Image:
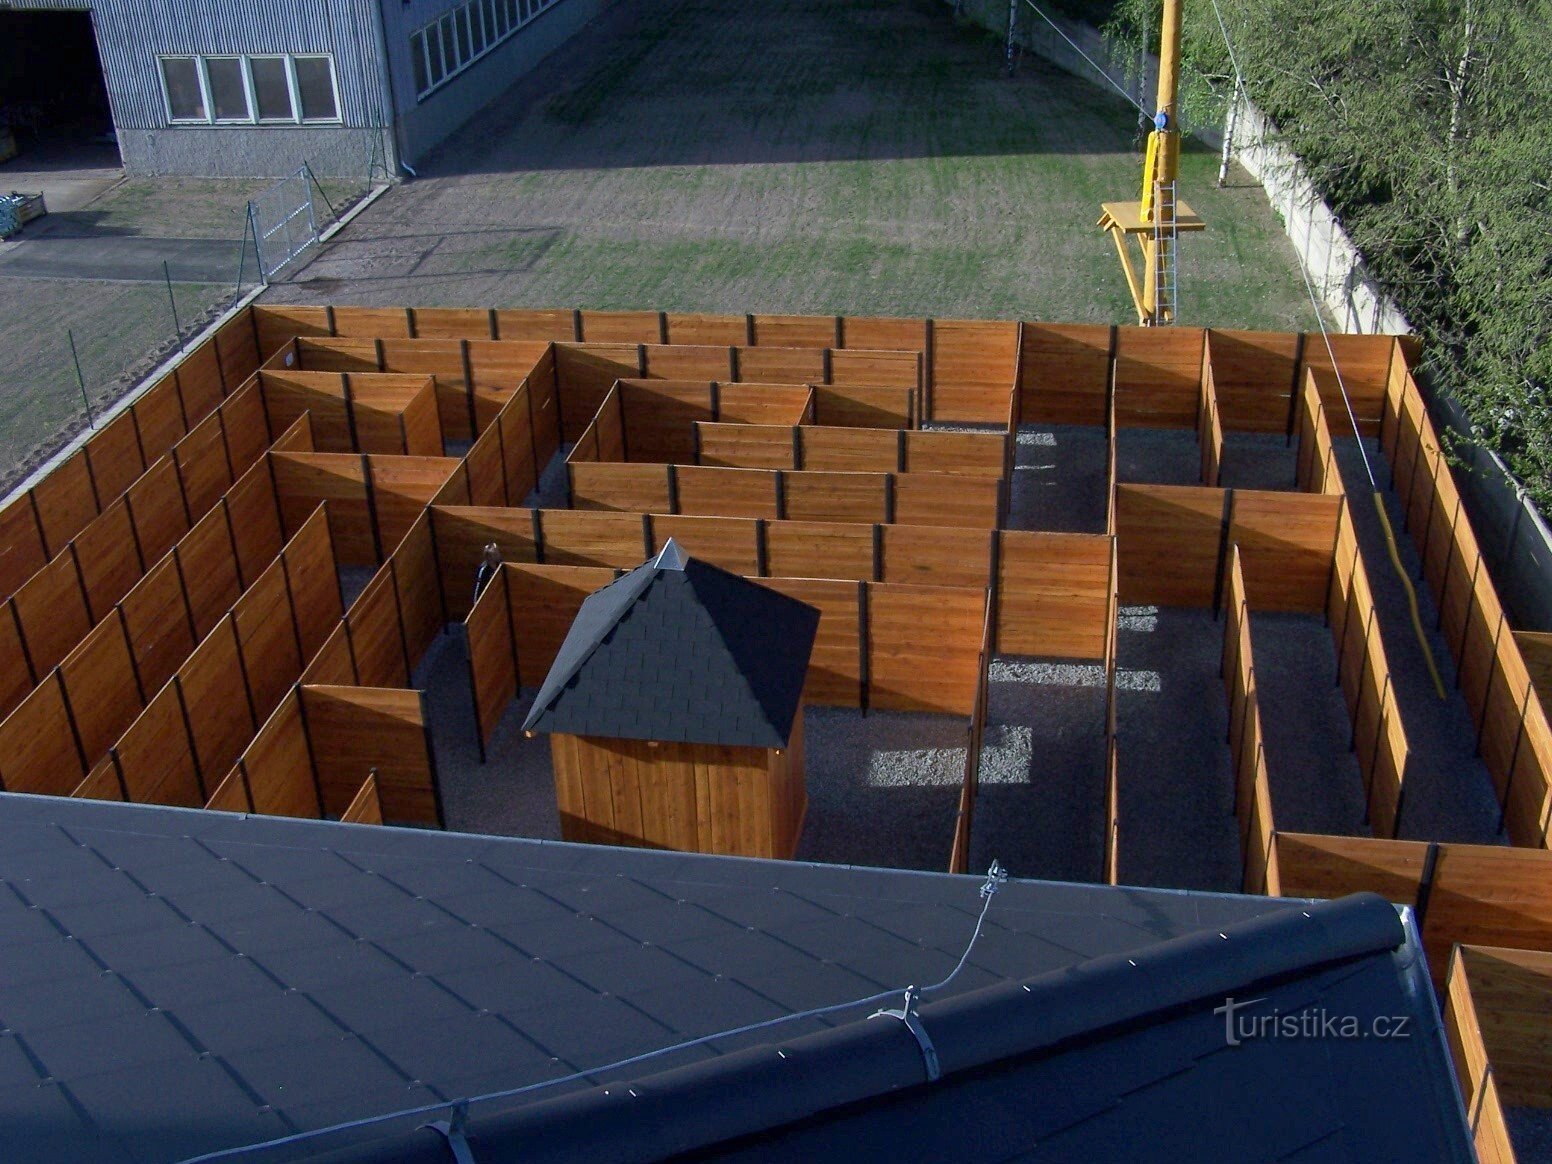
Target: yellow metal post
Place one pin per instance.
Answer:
(1156, 222)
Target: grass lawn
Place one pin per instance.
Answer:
(858, 156)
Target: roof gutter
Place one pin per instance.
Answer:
(761, 1088)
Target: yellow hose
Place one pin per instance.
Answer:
(1406, 581)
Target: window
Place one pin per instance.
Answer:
(451, 43)
(315, 86)
(228, 93)
(268, 90)
(272, 89)
(185, 94)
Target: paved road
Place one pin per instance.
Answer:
(125, 258)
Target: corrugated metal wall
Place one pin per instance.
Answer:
(131, 34)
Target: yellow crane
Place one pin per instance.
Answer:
(1158, 218)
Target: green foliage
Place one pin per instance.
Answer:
(1427, 125)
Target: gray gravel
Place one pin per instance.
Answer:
(1060, 479)
(1530, 1131)
(1449, 793)
(352, 581)
(1258, 460)
(1040, 808)
(1317, 786)
(1158, 456)
(1177, 826)
(883, 788)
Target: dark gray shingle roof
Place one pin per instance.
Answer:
(682, 652)
(173, 982)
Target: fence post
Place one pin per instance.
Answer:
(177, 328)
(91, 421)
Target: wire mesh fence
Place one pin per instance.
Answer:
(73, 346)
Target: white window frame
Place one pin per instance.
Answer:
(252, 120)
(515, 14)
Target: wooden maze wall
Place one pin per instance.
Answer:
(173, 631)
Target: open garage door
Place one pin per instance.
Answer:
(53, 99)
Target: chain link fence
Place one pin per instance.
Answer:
(74, 346)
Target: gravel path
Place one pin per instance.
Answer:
(1449, 794)
(1316, 783)
(1158, 456)
(1258, 460)
(1040, 808)
(1177, 827)
(1060, 479)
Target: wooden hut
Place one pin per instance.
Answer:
(674, 710)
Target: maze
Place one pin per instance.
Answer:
(226, 598)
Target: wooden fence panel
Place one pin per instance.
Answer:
(101, 784)
(366, 807)
(460, 535)
(764, 403)
(593, 539)
(237, 351)
(1169, 538)
(1053, 594)
(402, 487)
(267, 634)
(333, 663)
(747, 446)
(873, 333)
(544, 601)
(247, 433)
(1364, 362)
(783, 365)
(66, 501)
(796, 331)
(156, 757)
(209, 570)
(835, 666)
(659, 418)
(279, 764)
(375, 640)
(109, 560)
(936, 556)
(1253, 373)
(536, 325)
(99, 679)
(15, 673)
(302, 480)
(52, 611)
(974, 365)
(492, 656)
(629, 488)
(160, 630)
(276, 324)
(813, 549)
(852, 450)
(202, 465)
(22, 553)
(924, 647)
(858, 406)
(1209, 430)
(521, 462)
(946, 499)
(1064, 373)
(159, 416)
(484, 470)
(1287, 541)
(200, 382)
(855, 497)
(972, 454)
(38, 751)
(155, 502)
(221, 718)
(716, 492)
(1326, 867)
(687, 363)
(584, 375)
(878, 369)
(698, 329)
(733, 543)
(356, 730)
(255, 520)
(371, 321)
(231, 795)
(451, 322)
(114, 454)
(1158, 374)
(1488, 895)
(287, 395)
(622, 327)
(416, 579)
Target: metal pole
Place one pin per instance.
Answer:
(258, 255)
(1012, 28)
(308, 167)
(177, 328)
(81, 380)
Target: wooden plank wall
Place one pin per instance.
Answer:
(1158, 376)
(1495, 1004)
(1515, 739)
(1247, 744)
(1254, 377)
(1170, 540)
(1209, 426)
(358, 732)
(1053, 594)
(1316, 470)
(755, 446)
(1286, 541)
(492, 655)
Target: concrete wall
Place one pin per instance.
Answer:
(423, 125)
(259, 152)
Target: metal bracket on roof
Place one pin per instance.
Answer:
(907, 1014)
(452, 1130)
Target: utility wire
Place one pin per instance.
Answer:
(995, 877)
(1111, 80)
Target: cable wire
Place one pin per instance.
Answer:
(996, 876)
(1111, 80)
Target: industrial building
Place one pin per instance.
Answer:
(228, 89)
